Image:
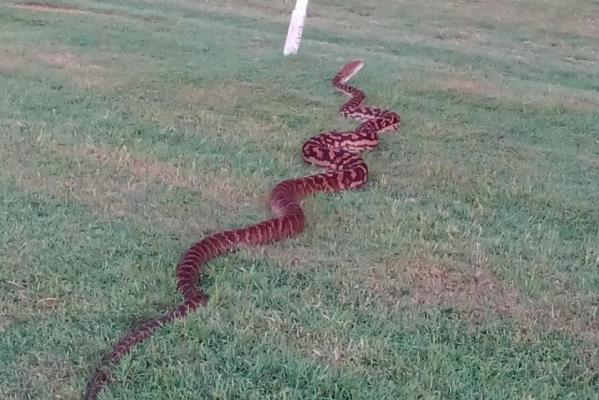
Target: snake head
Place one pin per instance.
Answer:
(349, 70)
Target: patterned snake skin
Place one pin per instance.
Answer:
(338, 152)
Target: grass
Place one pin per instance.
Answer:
(468, 268)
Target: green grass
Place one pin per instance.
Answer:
(468, 267)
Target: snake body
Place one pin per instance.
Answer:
(338, 152)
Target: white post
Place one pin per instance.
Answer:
(296, 27)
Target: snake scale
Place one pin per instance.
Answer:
(338, 152)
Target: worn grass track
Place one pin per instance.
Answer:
(468, 268)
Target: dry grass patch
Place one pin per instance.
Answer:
(434, 284)
(104, 197)
(55, 377)
(49, 7)
(142, 171)
(60, 60)
(223, 96)
(118, 189)
(508, 11)
(470, 86)
(358, 21)
(295, 256)
(83, 72)
(447, 171)
(216, 109)
(219, 186)
(583, 25)
(546, 97)
(326, 347)
(43, 7)
(475, 293)
(18, 303)
(591, 161)
(111, 199)
(10, 61)
(5, 322)
(14, 59)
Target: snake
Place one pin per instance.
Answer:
(339, 153)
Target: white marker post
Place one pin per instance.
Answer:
(296, 27)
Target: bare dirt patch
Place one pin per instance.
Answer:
(475, 294)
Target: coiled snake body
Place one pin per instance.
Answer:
(338, 152)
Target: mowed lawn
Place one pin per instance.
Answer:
(467, 268)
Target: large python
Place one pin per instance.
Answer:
(338, 152)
